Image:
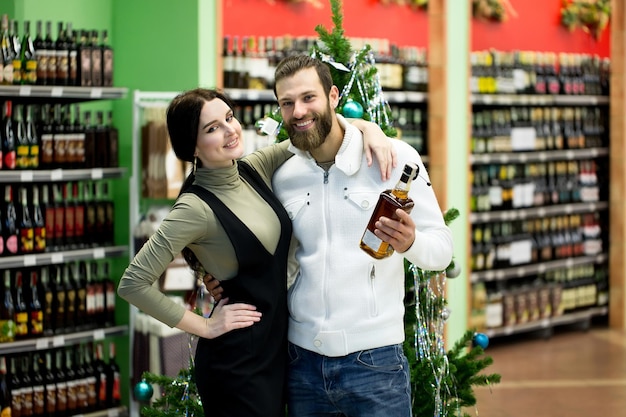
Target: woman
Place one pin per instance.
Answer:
(228, 223)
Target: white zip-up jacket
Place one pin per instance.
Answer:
(342, 300)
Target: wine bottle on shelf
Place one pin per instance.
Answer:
(70, 300)
(9, 147)
(109, 212)
(7, 51)
(114, 397)
(78, 281)
(16, 47)
(82, 404)
(15, 388)
(22, 146)
(51, 73)
(99, 295)
(90, 141)
(20, 308)
(91, 291)
(49, 385)
(41, 54)
(72, 383)
(5, 393)
(109, 294)
(62, 56)
(72, 55)
(59, 216)
(92, 377)
(24, 368)
(84, 56)
(70, 138)
(102, 146)
(100, 371)
(388, 202)
(59, 137)
(96, 60)
(58, 301)
(25, 225)
(28, 57)
(32, 137)
(47, 295)
(38, 221)
(35, 308)
(107, 60)
(79, 136)
(38, 384)
(7, 311)
(60, 382)
(227, 62)
(9, 224)
(113, 140)
(79, 214)
(46, 133)
(70, 216)
(49, 213)
(90, 214)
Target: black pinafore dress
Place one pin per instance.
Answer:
(242, 373)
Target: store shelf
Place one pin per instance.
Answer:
(549, 323)
(61, 340)
(62, 92)
(541, 156)
(59, 257)
(536, 212)
(537, 100)
(111, 412)
(535, 269)
(239, 94)
(56, 175)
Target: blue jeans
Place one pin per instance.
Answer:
(372, 383)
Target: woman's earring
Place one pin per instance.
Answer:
(195, 163)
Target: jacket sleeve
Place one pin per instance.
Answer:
(432, 249)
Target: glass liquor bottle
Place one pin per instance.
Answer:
(38, 221)
(35, 309)
(7, 311)
(47, 301)
(9, 148)
(27, 384)
(39, 45)
(32, 137)
(20, 308)
(5, 394)
(10, 223)
(388, 202)
(15, 388)
(113, 379)
(22, 146)
(50, 385)
(28, 56)
(27, 233)
(37, 378)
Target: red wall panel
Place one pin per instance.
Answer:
(536, 26)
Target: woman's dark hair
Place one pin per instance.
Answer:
(183, 119)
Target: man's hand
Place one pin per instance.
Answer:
(400, 234)
(213, 286)
(375, 141)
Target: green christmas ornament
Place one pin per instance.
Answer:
(352, 109)
(143, 391)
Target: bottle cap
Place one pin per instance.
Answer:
(411, 170)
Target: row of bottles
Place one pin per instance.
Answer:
(512, 129)
(72, 57)
(411, 124)
(249, 62)
(551, 294)
(534, 72)
(536, 184)
(60, 382)
(50, 217)
(512, 243)
(50, 136)
(56, 300)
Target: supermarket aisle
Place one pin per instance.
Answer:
(573, 373)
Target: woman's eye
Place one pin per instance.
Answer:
(211, 129)
(229, 118)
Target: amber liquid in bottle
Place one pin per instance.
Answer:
(388, 202)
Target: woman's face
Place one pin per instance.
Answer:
(219, 135)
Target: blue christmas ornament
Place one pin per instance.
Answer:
(352, 109)
(143, 391)
(481, 339)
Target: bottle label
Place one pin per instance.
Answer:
(10, 159)
(47, 149)
(11, 245)
(40, 239)
(21, 324)
(27, 240)
(38, 400)
(372, 241)
(7, 330)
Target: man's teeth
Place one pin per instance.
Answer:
(308, 122)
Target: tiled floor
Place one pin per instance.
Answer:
(573, 373)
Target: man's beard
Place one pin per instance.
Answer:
(311, 139)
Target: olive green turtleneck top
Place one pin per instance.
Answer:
(192, 223)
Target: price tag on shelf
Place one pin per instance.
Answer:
(56, 174)
(113, 413)
(26, 176)
(96, 173)
(57, 258)
(98, 253)
(30, 260)
(98, 334)
(25, 90)
(41, 343)
(56, 92)
(96, 93)
(58, 341)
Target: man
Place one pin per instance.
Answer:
(346, 308)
